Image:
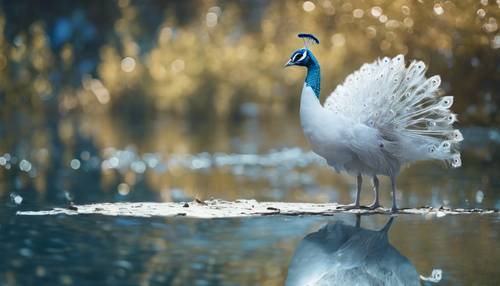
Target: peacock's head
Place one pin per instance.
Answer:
(303, 57)
(300, 57)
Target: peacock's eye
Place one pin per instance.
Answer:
(299, 56)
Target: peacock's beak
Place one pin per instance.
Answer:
(289, 63)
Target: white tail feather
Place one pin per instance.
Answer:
(404, 106)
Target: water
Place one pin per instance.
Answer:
(251, 160)
(91, 250)
(245, 162)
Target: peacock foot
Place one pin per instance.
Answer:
(394, 209)
(374, 206)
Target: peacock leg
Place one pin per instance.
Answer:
(394, 207)
(375, 203)
(359, 181)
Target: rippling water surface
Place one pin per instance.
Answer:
(243, 162)
(91, 250)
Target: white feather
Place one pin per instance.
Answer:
(383, 116)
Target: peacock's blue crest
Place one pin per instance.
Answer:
(309, 39)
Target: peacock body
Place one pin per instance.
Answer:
(383, 116)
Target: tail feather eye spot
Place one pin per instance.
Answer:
(451, 118)
(447, 102)
(456, 135)
(435, 81)
(420, 66)
(431, 149)
(445, 145)
(456, 161)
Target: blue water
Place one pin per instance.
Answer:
(99, 250)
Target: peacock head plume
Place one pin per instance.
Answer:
(304, 57)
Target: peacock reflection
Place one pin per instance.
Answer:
(340, 254)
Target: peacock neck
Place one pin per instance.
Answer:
(313, 78)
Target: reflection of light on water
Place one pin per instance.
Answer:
(479, 196)
(25, 165)
(491, 26)
(211, 19)
(16, 198)
(358, 13)
(212, 16)
(383, 18)
(128, 159)
(438, 9)
(338, 40)
(128, 64)
(308, 6)
(178, 65)
(123, 189)
(376, 11)
(75, 164)
(481, 13)
(97, 88)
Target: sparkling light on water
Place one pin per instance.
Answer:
(308, 6)
(479, 196)
(438, 9)
(376, 11)
(25, 165)
(123, 189)
(75, 164)
(128, 64)
(338, 40)
(16, 198)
